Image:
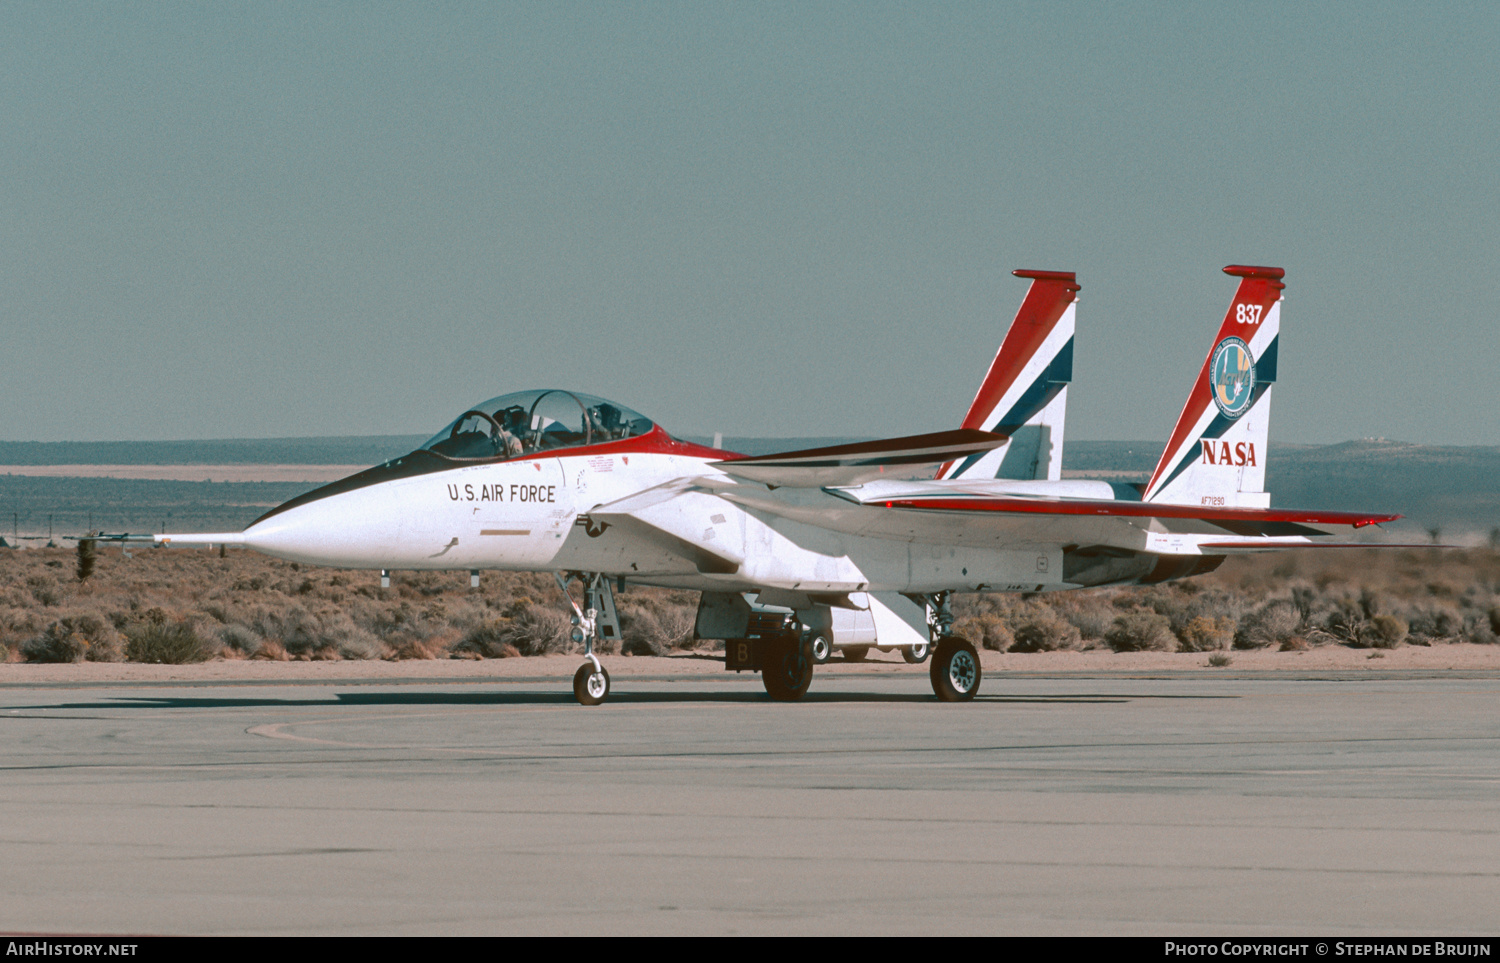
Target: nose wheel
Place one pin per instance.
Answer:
(591, 684)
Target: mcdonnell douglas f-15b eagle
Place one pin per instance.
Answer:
(834, 547)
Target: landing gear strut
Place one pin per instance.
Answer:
(955, 670)
(591, 681)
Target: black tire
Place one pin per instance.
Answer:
(855, 653)
(956, 673)
(586, 694)
(786, 667)
(916, 654)
(821, 648)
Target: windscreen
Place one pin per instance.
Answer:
(527, 422)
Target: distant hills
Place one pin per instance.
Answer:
(1455, 489)
(350, 450)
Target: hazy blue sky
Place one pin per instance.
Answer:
(254, 220)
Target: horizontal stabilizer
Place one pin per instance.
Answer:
(1267, 545)
(848, 464)
(1241, 521)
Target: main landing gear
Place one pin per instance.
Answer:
(786, 652)
(955, 670)
(788, 658)
(786, 665)
(591, 621)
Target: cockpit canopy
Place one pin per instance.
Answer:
(527, 422)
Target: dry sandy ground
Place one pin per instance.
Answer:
(1462, 657)
(194, 473)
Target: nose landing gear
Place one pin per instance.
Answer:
(591, 683)
(594, 618)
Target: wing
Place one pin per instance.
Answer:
(945, 514)
(667, 519)
(686, 519)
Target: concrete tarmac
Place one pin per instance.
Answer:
(1165, 806)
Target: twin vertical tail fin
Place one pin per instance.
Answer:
(1025, 393)
(1217, 451)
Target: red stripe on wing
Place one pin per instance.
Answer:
(1104, 507)
(1288, 545)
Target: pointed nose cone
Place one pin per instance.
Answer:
(355, 522)
(338, 531)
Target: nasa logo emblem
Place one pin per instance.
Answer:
(1231, 377)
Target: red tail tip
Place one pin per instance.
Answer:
(1249, 271)
(1069, 276)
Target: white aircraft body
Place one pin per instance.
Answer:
(833, 546)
